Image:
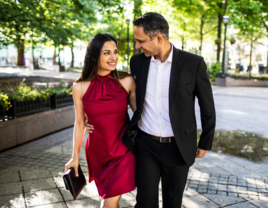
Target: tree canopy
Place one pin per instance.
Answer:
(61, 22)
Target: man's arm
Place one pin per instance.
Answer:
(204, 94)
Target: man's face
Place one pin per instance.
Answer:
(143, 42)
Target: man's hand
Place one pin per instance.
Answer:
(89, 127)
(200, 153)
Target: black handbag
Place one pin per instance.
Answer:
(72, 183)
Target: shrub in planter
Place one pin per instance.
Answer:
(61, 100)
(246, 76)
(61, 95)
(25, 100)
(214, 69)
(4, 101)
(2, 113)
(5, 104)
(26, 107)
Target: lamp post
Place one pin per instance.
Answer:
(127, 21)
(225, 21)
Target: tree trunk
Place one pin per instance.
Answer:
(201, 33)
(54, 56)
(267, 61)
(266, 27)
(183, 39)
(20, 48)
(33, 61)
(219, 33)
(250, 57)
(220, 15)
(137, 13)
(267, 55)
(182, 43)
(20, 61)
(219, 37)
(59, 57)
(72, 51)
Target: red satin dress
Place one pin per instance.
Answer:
(110, 163)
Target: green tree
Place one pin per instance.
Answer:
(17, 20)
(246, 16)
(59, 21)
(264, 20)
(200, 13)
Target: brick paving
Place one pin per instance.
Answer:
(31, 177)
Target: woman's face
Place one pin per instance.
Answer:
(108, 57)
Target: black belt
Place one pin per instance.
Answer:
(160, 139)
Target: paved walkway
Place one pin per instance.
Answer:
(30, 175)
(8, 71)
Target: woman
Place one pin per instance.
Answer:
(102, 95)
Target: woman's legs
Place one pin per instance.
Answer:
(112, 202)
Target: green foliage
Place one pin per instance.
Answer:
(237, 75)
(59, 88)
(58, 22)
(197, 18)
(4, 101)
(23, 92)
(246, 16)
(247, 145)
(213, 70)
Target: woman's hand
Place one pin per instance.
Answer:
(89, 127)
(72, 163)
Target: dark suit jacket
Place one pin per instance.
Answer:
(188, 79)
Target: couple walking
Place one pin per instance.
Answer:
(160, 141)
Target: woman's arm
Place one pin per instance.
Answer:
(79, 127)
(132, 94)
(129, 84)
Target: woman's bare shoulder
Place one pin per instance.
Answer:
(128, 79)
(79, 87)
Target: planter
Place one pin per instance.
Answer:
(27, 107)
(241, 82)
(2, 113)
(60, 100)
(27, 128)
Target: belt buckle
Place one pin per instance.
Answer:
(161, 140)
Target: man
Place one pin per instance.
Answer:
(162, 132)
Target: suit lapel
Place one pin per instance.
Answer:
(144, 76)
(175, 69)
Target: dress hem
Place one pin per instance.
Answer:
(124, 192)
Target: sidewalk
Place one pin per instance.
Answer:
(8, 71)
(30, 175)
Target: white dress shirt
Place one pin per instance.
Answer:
(155, 115)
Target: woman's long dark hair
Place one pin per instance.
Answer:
(91, 63)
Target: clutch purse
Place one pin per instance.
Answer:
(72, 183)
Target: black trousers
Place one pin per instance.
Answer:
(155, 161)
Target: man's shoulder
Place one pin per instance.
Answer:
(138, 56)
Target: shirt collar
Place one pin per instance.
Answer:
(169, 59)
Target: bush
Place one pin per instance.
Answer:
(23, 92)
(214, 69)
(4, 102)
